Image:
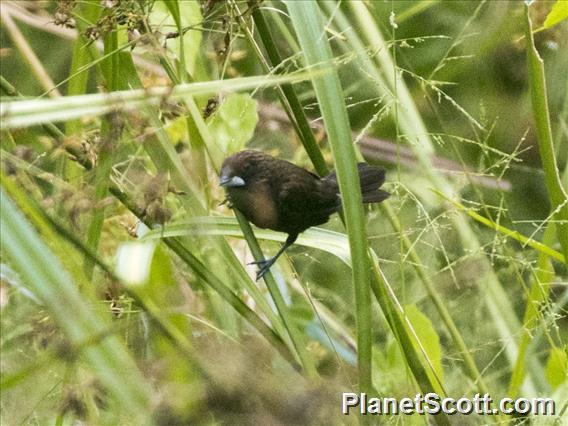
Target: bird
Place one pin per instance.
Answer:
(279, 195)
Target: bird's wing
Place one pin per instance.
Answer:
(303, 201)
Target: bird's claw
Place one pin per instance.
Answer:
(261, 273)
(263, 265)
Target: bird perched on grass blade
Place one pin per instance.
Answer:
(281, 196)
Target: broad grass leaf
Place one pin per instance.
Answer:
(557, 14)
(557, 367)
(233, 124)
(428, 337)
(177, 130)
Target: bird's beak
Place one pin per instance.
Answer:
(232, 182)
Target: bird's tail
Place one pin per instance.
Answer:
(370, 178)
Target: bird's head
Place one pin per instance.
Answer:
(242, 168)
(233, 172)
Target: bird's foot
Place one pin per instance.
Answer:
(261, 262)
(263, 267)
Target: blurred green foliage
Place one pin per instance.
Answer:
(465, 66)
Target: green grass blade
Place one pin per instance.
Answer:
(52, 130)
(322, 239)
(194, 135)
(81, 58)
(296, 336)
(542, 277)
(542, 248)
(415, 9)
(308, 23)
(111, 130)
(16, 114)
(537, 84)
(292, 104)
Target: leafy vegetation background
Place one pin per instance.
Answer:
(126, 297)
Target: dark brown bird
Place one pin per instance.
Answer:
(281, 196)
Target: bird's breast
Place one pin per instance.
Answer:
(256, 204)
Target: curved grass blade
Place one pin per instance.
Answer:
(17, 114)
(537, 83)
(330, 241)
